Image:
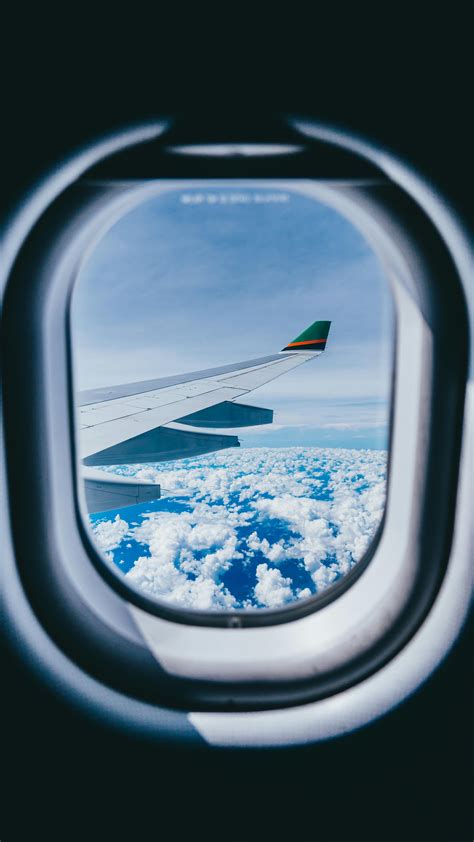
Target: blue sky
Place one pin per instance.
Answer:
(199, 277)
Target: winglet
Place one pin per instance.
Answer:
(314, 338)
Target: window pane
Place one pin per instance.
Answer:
(261, 484)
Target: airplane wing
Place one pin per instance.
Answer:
(133, 423)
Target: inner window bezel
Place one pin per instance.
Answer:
(120, 205)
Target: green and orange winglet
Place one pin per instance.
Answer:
(314, 338)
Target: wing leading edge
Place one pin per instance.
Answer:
(120, 424)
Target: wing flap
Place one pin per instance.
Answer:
(228, 414)
(105, 491)
(162, 444)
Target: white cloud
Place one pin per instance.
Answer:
(179, 568)
(272, 589)
(162, 579)
(360, 424)
(110, 533)
(274, 552)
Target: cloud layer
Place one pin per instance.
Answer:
(256, 528)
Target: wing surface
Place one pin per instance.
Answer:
(112, 415)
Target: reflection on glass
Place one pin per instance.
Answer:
(261, 484)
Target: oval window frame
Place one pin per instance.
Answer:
(118, 624)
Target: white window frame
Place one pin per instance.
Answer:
(327, 661)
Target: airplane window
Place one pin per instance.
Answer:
(232, 350)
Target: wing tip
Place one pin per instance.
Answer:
(314, 338)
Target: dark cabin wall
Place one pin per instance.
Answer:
(394, 73)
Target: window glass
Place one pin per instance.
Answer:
(261, 484)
